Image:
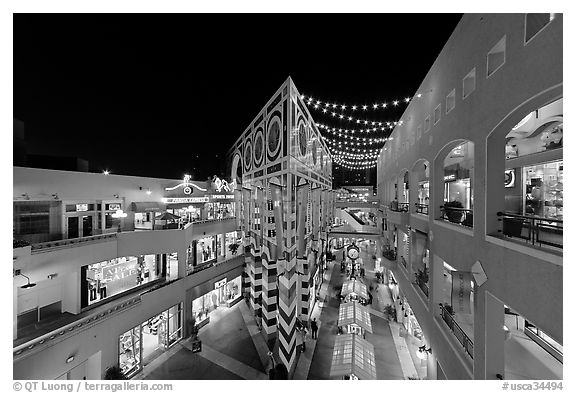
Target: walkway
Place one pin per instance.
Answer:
(228, 352)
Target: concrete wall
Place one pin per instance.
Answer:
(525, 279)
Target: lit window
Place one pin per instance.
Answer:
(419, 131)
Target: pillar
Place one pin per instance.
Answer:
(488, 336)
(269, 297)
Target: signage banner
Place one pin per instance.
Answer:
(461, 289)
(186, 200)
(315, 212)
(219, 284)
(278, 210)
(302, 193)
(247, 216)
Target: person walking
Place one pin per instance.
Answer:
(304, 332)
(314, 326)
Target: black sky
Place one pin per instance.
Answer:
(163, 95)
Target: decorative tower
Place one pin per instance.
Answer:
(284, 171)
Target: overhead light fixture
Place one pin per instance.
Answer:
(29, 285)
(106, 172)
(148, 192)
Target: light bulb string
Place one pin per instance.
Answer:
(390, 104)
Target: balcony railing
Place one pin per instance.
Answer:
(458, 332)
(421, 208)
(423, 286)
(533, 229)
(69, 242)
(457, 215)
(399, 206)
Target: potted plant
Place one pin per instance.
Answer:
(114, 372)
(233, 248)
(453, 215)
(390, 312)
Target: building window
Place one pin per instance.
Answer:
(451, 100)
(427, 124)
(437, 112)
(469, 83)
(419, 131)
(534, 24)
(496, 57)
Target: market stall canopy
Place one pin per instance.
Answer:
(355, 287)
(166, 216)
(144, 207)
(355, 313)
(353, 355)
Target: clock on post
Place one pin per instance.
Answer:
(353, 252)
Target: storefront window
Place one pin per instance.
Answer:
(129, 351)
(219, 210)
(544, 189)
(206, 249)
(109, 278)
(225, 294)
(458, 175)
(424, 192)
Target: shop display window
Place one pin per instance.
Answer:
(423, 192)
(129, 351)
(544, 190)
(108, 278)
(219, 210)
(458, 175)
(206, 249)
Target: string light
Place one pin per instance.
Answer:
(389, 125)
(313, 101)
(353, 119)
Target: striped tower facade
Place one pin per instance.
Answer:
(269, 295)
(279, 158)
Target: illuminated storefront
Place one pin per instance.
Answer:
(225, 294)
(105, 279)
(544, 190)
(149, 339)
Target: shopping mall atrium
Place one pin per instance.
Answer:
(448, 266)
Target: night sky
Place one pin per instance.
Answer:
(163, 95)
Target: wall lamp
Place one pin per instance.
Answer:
(29, 285)
(423, 352)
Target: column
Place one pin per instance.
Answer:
(269, 298)
(488, 337)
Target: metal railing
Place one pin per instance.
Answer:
(535, 230)
(421, 208)
(457, 330)
(399, 206)
(423, 286)
(69, 242)
(457, 215)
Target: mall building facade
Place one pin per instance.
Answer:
(122, 268)
(471, 201)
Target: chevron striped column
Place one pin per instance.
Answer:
(256, 282)
(269, 295)
(287, 308)
(248, 268)
(303, 290)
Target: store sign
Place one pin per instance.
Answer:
(461, 288)
(203, 199)
(222, 196)
(509, 178)
(450, 177)
(187, 186)
(114, 206)
(220, 284)
(82, 207)
(222, 185)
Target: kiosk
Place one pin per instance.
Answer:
(354, 318)
(354, 290)
(353, 358)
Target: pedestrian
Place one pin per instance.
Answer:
(314, 327)
(304, 332)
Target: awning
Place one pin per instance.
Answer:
(353, 355)
(145, 207)
(355, 313)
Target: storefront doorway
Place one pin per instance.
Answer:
(73, 227)
(87, 225)
(144, 343)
